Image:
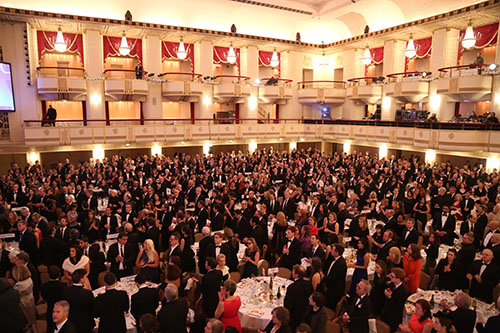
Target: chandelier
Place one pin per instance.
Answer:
(367, 58)
(60, 44)
(411, 51)
(181, 52)
(124, 48)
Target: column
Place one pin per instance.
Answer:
(394, 62)
(495, 88)
(94, 66)
(203, 64)
(444, 54)
(353, 67)
(249, 66)
(292, 64)
(152, 64)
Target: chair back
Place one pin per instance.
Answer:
(496, 292)
(382, 327)
(284, 273)
(425, 280)
(263, 267)
(235, 276)
(198, 237)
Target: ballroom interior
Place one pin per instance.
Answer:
(204, 77)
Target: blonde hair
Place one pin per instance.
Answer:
(149, 249)
(397, 253)
(20, 273)
(281, 219)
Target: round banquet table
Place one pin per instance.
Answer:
(483, 310)
(127, 284)
(255, 310)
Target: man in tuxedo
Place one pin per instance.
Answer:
(109, 223)
(335, 275)
(272, 204)
(209, 287)
(241, 227)
(396, 295)
(297, 295)
(467, 204)
(91, 200)
(463, 317)
(202, 249)
(40, 223)
(257, 232)
(316, 250)
(27, 241)
(63, 235)
(359, 309)
(409, 235)
(129, 215)
(480, 227)
(468, 225)
(173, 313)
(384, 247)
(143, 301)
(111, 306)
(4, 261)
(16, 198)
(202, 214)
(61, 322)
(153, 232)
(52, 292)
(121, 257)
(218, 218)
(315, 207)
(484, 276)
(444, 225)
(493, 229)
(288, 206)
(81, 303)
(290, 249)
(217, 247)
(175, 249)
(467, 253)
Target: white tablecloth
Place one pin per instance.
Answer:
(131, 289)
(255, 310)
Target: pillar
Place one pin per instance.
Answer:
(394, 62)
(249, 66)
(152, 64)
(353, 68)
(94, 66)
(203, 64)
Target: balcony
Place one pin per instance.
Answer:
(276, 91)
(182, 87)
(407, 87)
(322, 92)
(231, 88)
(58, 83)
(120, 86)
(364, 90)
(464, 83)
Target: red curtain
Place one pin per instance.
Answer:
(220, 56)
(112, 44)
(46, 40)
(377, 55)
(487, 35)
(423, 47)
(265, 60)
(169, 51)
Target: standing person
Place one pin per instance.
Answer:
(297, 295)
(81, 303)
(143, 301)
(377, 293)
(111, 306)
(121, 257)
(412, 265)
(51, 116)
(24, 287)
(173, 313)
(483, 276)
(52, 292)
(335, 276)
(11, 314)
(209, 287)
(396, 295)
(60, 314)
(359, 309)
(360, 266)
(229, 305)
(251, 259)
(315, 315)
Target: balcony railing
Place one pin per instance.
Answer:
(407, 76)
(232, 79)
(362, 81)
(272, 81)
(180, 76)
(56, 71)
(326, 84)
(125, 74)
(463, 70)
(205, 121)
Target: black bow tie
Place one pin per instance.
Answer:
(217, 246)
(485, 264)
(445, 214)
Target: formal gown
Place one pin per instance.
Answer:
(230, 315)
(152, 274)
(358, 275)
(250, 269)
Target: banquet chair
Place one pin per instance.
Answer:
(332, 327)
(198, 237)
(425, 280)
(263, 267)
(330, 314)
(284, 273)
(341, 306)
(496, 291)
(235, 276)
(382, 327)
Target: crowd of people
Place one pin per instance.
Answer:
(292, 210)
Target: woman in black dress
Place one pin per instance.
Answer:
(251, 259)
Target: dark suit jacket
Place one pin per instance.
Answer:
(392, 313)
(129, 257)
(110, 307)
(172, 316)
(320, 253)
(283, 329)
(464, 227)
(384, 250)
(153, 233)
(260, 236)
(289, 209)
(113, 225)
(51, 251)
(144, 301)
(52, 292)
(202, 219)
(218, 222)
(492, 325)
(449, 227)
(4, 263)
(359, 314)
(68, 327)
(202, 252)
(296, 300)
(481, 223)
(28, 244)
(81, 303)
(463, 320)
(292, 258)
(209, 287)
(489, 279)
(450, 280)
(242, 228)
(224, 249)
(316, 320)
(176, 252)
(335, 281)
(412, 237)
